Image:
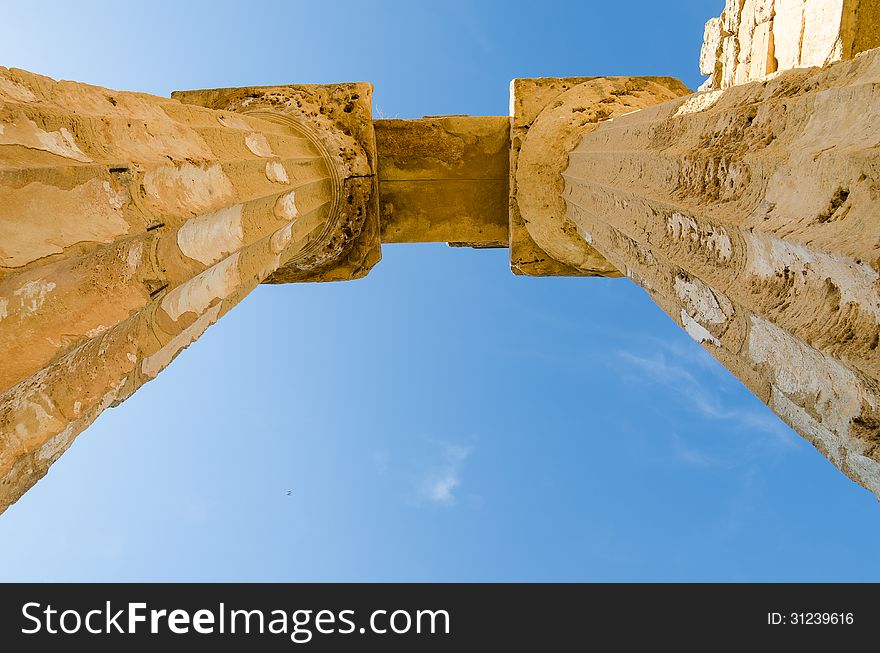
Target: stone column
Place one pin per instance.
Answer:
(750, 217)
(130, 223)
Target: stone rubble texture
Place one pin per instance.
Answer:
(130, 223)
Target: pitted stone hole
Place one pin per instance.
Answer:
(837, 200)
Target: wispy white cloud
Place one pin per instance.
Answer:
(440, 483)
(440, 490)
(697, 393)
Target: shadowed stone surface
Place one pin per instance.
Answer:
(444, 179)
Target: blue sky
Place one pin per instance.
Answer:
(441, 420)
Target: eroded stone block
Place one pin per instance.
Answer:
(549, 116)
(821, 40)
(762, 60)
(730, 16)
(728, 61)
(444, 179)
(528, 97)
(788, 24)
(711, 50)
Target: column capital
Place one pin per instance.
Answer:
(548, 118)
(337, 120)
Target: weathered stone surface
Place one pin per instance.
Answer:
(444, 179)
(861, 27)
(788, 24)
(763, 10)
(710, 52)
(760, 37)
(549, 117)
(338, 117)
(730, 15)
(750, 217)
(821, 33)
(128, 225)
(528, 97)
(762, 60)
(729, 53)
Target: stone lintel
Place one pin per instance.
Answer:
(749, 215)
(339, 118)
(444, 179)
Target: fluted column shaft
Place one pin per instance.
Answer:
(129, 224)
(750, 217)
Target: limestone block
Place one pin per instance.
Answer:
(746, 30)
(763, 10)
(762, 61)
(728, 61)
(444, 179)
(755, 12)
(820, 43)
(711, 50)
(787, 32)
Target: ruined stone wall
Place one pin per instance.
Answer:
(753, 39)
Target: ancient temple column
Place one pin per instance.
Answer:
(130, 223)
(750, 216)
